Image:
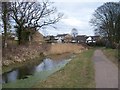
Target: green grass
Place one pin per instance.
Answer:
(78, 73)
(111, 54)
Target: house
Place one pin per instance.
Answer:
(37, 37)
(68, 38)
(81, 39)
(32, 35)
(50, 39)
(89, 40)
(96, 38)
(92, 39)
(60, 38)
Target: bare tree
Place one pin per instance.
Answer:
(33, 15)
(74, 32)
(106, 21)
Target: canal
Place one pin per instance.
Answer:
(28, 75)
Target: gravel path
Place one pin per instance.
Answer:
(106, 73)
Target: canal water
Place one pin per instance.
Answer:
(44, 68)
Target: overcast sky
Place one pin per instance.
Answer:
(77, 14)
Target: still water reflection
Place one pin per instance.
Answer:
(24, 72)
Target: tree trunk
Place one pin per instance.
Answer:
(4, 18)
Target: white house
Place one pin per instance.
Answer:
(90, 39)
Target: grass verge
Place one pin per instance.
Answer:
(78, 73)
(111, 54)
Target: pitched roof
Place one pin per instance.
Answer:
(37, 37)
(61, 35)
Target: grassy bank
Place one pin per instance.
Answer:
(79, 73)
(111, 54)
(20, 55)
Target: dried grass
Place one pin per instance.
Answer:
(65, 48)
